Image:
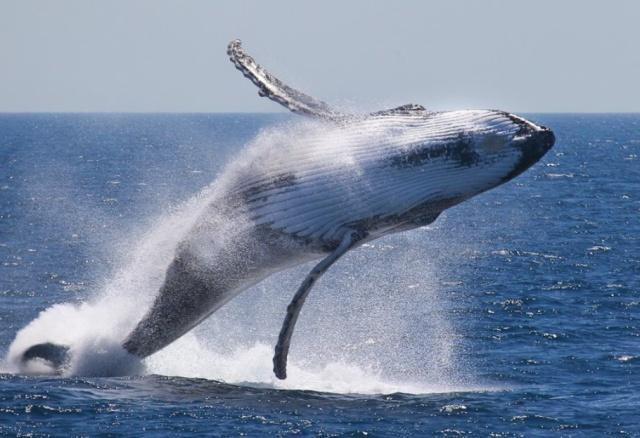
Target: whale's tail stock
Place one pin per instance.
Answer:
(54, 355)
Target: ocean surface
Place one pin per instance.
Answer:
(516, 313)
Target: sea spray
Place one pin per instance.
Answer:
(378, 311)
(113, 312)
(360, 320)
(251, 366)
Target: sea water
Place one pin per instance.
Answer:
(517, 312)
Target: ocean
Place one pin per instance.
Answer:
(517, 313)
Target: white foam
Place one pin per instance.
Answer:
(373, 326)
(102, 323)
(252, 366)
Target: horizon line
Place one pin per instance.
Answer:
(281, 112)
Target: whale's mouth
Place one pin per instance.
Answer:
(54, 355)
(534, 143)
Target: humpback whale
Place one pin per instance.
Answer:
(343, 180)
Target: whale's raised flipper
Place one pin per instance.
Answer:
(271, 87)
(298, 102)
(293, 310)
(56, 355)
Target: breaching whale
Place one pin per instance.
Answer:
(346, 180)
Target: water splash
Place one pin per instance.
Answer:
(251, 366)
(373, 325)
(100, 324)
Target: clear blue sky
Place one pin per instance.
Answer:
(150, 55)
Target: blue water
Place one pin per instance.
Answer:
(516, 313)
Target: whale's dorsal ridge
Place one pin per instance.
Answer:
(409, 109)
(276, 90)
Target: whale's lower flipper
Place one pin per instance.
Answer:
(56, 355)
(293, 310)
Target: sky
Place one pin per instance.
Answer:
(170, 56)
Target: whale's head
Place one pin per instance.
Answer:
(503, 146)
(531, 142)
(463, 153)
(495, 148)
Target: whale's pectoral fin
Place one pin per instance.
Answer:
(56, 355)
(410, 109)
(296, 101)
(293, 310)
(271, 87)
